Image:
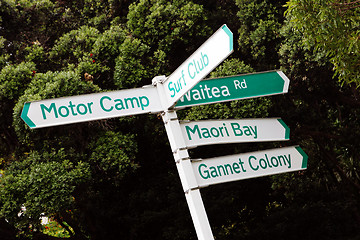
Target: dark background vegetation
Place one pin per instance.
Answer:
(116, 178)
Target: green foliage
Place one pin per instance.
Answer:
(74, 45)
(15, 78)
(42, 183)
(54, 229)
(259, 35)
(333, 27)
(113, 154)
(164, 23)
(231, 67)
(130, 69)
(3, 56)
(107, 45)
(35, 54)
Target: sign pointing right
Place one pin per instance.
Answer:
(198, 133)
(249, 165)
(208, 56)
(231, 88)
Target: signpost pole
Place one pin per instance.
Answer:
(185, 170)
(187, 176)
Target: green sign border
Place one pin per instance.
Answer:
(24, 115)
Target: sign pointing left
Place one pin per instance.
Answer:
(96, 106)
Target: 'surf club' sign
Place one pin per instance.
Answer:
(96, 106)
(249, 165)
(207, 132)
(208, 56)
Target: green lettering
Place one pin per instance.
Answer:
(89, 107)
(262, 163)
(206, 172)
(67, 112)
(228, 166)
(213, 172)
(171, 89)
(236, 167)
(236, 129)
(283, 159)
(119, 104)
(142, 103)
(71, 106)
(247, 131)
(223, 169)
(132, 100)
(44, 108)
(102, 104)
(214, 132)
(251, 166)
(205, 133)
(79, 110)
(274, 161)
(242, 165)
(193, 131)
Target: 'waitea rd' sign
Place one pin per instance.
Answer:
(235, 87)
(207, 132)
(249, 165)
(199, 64)
(60, 111)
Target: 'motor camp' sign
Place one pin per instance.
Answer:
(96, 106)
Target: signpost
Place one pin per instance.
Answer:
(183, 88)
(235, 87)
(207, 132)
(249, 165)
(96, 106)
(208, 56)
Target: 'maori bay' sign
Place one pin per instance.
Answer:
(198, 133)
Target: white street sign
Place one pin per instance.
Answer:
(249, 165)
(207, 132)
(208, 56)
(81, 108)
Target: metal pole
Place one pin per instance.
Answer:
(183, 164)
(190, 186)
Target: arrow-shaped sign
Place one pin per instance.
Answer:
(235, 87)
(208, 56)
(249, 165)
(89, 107)
(207, 132)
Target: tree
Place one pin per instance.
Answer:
(333, 27)
(259, 32)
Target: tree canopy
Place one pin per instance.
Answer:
(116, 178)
